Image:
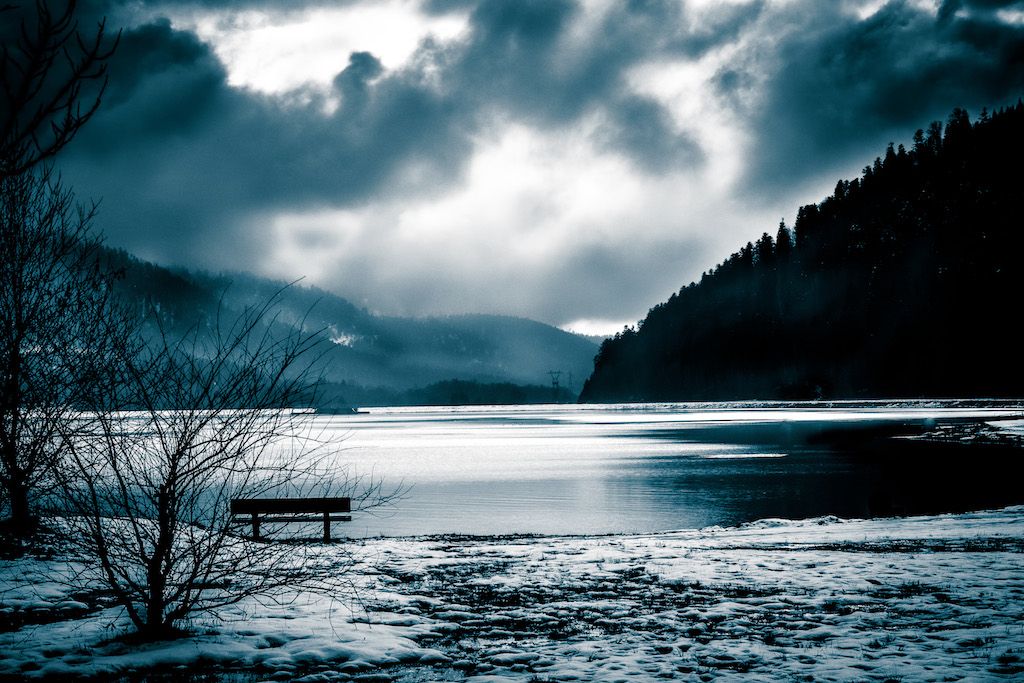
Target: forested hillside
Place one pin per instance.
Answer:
(369, 359)
(907, 281)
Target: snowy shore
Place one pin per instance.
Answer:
(912, 599)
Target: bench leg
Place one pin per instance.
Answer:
(255, 526)
(327, 527)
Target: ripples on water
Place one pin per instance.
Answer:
(638, 468)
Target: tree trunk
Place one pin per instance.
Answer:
(156, 626)
(22, 522)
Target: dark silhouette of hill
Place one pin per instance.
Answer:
(369, 358)
(906, 282)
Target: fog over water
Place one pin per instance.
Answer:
(656, 467)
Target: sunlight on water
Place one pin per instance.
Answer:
(619, 468)
(741, 456)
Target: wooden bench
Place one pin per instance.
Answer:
(275, 510)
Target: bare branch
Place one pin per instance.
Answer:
(52, 81)
(213, 420)
(55, 301)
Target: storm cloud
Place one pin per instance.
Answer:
(837, 86)
(547, 158)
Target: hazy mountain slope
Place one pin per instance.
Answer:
(496, 348)
(366, 349)
(906, 282)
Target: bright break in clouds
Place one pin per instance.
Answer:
(573, 162)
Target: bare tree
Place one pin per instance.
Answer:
(54, 304)
(52, 79)
(148, 494)
(53, 291)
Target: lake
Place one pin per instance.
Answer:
(654, 467)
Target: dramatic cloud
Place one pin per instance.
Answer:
(836, 86)
(560, 160)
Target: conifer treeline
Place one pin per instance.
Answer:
(907, 281)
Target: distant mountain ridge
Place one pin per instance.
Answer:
(906, 282)
(371, 358)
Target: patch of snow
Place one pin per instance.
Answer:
(922, 598)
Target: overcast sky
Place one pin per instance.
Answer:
(573, 162)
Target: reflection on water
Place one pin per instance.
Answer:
(605, 469)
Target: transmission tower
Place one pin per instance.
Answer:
(555, 375)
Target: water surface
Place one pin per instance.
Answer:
(639, 468)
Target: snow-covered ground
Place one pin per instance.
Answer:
(914, 599)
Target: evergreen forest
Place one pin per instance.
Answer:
(905, 282)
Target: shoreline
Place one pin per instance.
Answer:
(922, 598)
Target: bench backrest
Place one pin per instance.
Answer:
(244, 506)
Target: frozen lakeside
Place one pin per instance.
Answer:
(919, 598)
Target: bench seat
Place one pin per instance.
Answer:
(287, 510)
